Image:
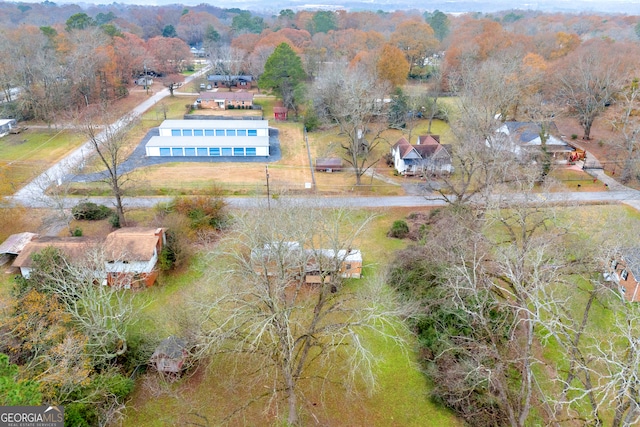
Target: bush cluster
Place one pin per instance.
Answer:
(90, 211)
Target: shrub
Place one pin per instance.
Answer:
(77, 232)
(90, 211)
(311, 120)
(574, 136)
(114, 220)
(204, 212)
(399, 229)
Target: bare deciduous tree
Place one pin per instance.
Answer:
(228, 62)
(352, 99)
(109, 143)
(628, 128)
(293, 330)
(592, 77)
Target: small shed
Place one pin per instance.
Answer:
(328, 164)
(170, 356)
(280, 113)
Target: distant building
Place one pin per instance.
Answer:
(220, 80)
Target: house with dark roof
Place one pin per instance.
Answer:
(428, 156)
(623, 273)
(221, 80)
(225, 100)
(524, 138)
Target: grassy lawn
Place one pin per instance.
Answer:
(400, 397)
(25, 155)
(576, 180)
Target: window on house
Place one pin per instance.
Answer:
(187, 132)
(189, 151)
(231, 132)
(214, 151)
(177, 151)
(165, 152)
(175, 132)
(197, 132)
(347, 266)
(250, 151)
(219, 132)
(252, 132)
(208, 132)
(226, 151)
(238, 151)
(242, 132)
(202, 152)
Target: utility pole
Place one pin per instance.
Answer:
(268, 196)
(146, 77)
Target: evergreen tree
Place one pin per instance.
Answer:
(283, 72)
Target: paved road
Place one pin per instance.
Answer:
(34, 190)
(631, 197)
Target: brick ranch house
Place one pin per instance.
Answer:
(225, 100)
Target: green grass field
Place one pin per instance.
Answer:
(400, 397)
(25, 155)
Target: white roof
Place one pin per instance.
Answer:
(354, 255)
(215, 124)
(7, 121)
(208, 141)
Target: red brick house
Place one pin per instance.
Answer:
(622, 273)
(226, 100)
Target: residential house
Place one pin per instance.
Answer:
(170, 356)
(131, 256)
(428, 156)
(346, 263)
(225, 100)
(314, 265)
(623, 272)
(524, 138)
(74, 248)
(220, 80)
(189, 138)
